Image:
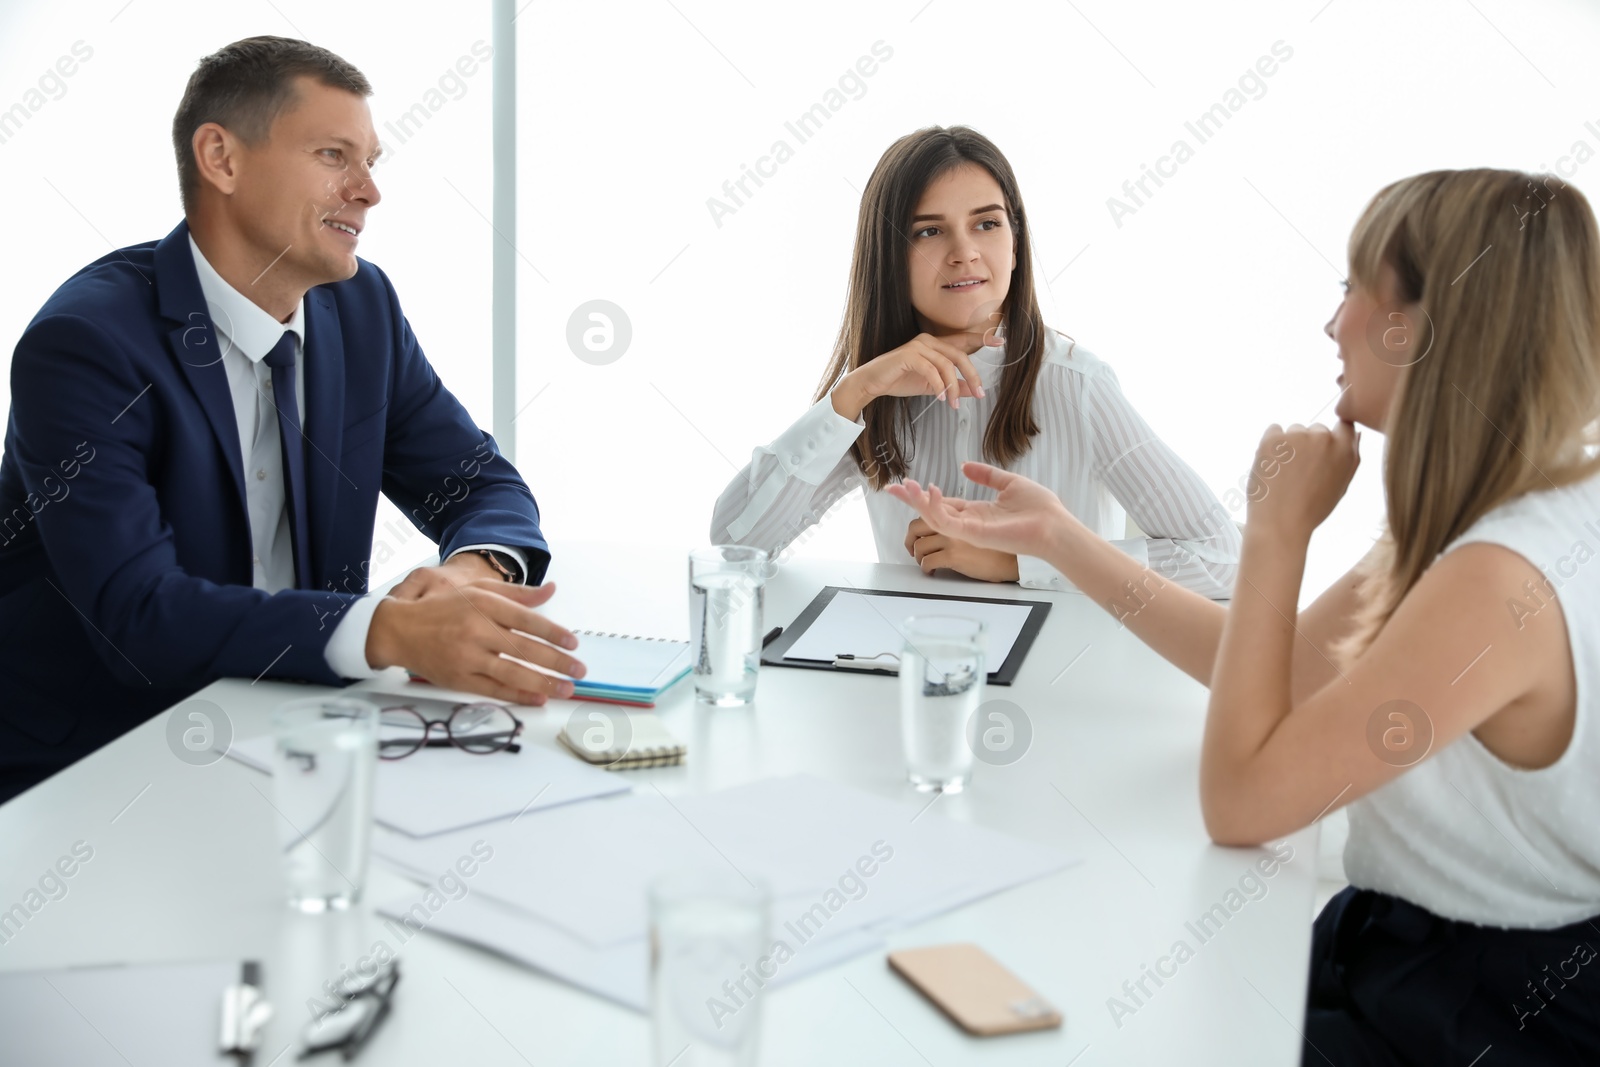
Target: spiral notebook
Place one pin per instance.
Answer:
(628, 669)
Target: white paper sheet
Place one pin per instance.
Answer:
(586, 868)
(620, 972)
(168, 1013)
(442, 789)
(428, 698)
(865, 624)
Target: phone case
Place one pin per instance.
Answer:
(974, 990)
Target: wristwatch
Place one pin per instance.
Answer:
(504, 564)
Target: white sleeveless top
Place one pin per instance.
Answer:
(1463, 833)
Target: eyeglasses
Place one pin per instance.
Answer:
(480, 729)
(366, 1004)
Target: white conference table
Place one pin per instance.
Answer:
(185, 861)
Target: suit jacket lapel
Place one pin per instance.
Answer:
(324, 426)
(196, 348)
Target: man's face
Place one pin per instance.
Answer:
(307, 185)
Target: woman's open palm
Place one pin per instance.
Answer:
(1020, 520)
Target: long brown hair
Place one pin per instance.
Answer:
(1505, 399)
(879, 318)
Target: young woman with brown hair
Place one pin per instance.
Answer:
(1447, 689)
(944, 356)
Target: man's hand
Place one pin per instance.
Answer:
(458, 636)
(933, 551)
(459, 570)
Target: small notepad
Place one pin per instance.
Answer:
(628, 669)
(649, 744)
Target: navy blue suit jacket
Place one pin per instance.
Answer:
(125, 548)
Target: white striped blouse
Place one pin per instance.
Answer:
(1092, 450)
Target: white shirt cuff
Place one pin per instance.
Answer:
(346, 651)
(522, 561)
(810, 449)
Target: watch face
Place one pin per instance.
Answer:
(500, 563)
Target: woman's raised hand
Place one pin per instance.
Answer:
(1300, 474)
(924, 366)
(1022, 520)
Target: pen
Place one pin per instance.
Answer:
(772, 633)
(244, 1013)
(884, 661)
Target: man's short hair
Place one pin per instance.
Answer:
(244, 87)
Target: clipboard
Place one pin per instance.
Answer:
(772, 654)
(167, 1013)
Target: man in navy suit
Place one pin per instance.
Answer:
(200, 427)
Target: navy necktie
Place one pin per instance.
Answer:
(281, 360)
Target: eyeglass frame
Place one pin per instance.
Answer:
(379, 987)
(450, 739)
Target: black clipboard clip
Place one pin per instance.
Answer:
(888, 662)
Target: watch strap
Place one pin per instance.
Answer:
(503, 563)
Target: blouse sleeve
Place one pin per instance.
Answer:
(789, 484)
(1190, 537)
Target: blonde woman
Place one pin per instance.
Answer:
(944, 356)
(1447, 690)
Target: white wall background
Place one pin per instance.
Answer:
(1209, 300)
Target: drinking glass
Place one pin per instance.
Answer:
(709, 936)
(726, 597)
(324, 754)
(942, 676)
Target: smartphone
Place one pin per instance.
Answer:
(974, 990)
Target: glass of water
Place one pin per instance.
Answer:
(726, 591)
(942, 674)
(324, 754)
(710, 956)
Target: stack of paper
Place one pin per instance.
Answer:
(566, 891)
(619, 972)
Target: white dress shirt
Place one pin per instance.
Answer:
(1092, 450)
(245, 334)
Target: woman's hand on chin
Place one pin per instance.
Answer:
(940, 367)
(1299, 475)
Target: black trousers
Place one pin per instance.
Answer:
(1394, 984)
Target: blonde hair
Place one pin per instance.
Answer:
(1506, 397)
